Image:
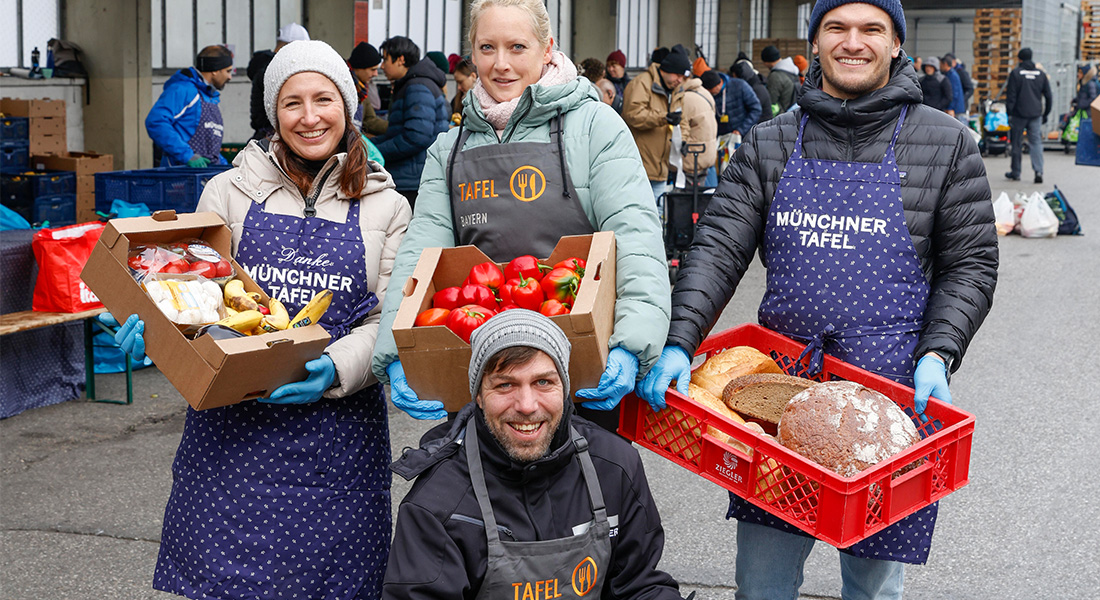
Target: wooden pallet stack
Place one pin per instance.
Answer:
(996, 43)
(1090, 40)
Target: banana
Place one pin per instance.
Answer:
(238, 299)
(255, 296)
(313, 311)
(278, 319)
(229, 312)
(244, 321)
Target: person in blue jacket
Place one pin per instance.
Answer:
(737, 108)
(186, 123)
(419, 111)
(958, 98)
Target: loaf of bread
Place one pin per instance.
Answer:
(718, 370)
(763, 395)
(702, 397)
(845, 427)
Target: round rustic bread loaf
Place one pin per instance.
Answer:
(718, 370)
(845, 427)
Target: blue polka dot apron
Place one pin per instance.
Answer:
(844, 278)
(207, 139)
(286, 501)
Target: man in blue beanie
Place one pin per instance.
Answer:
(902, 298)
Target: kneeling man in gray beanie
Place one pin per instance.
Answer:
(520, 496)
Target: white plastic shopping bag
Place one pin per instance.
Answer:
(1038, 220)
(1005, 214)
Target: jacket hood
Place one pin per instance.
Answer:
(425, 69)
(786, 65)
(745, 71)
(261, 172)
(870, 109)
(537, 105)
(443, 441)
(190, 76)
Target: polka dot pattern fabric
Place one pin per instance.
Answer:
(843, 276)
(286, 501)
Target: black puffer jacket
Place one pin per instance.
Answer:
(439, 548)
(945, 195)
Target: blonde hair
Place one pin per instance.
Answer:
(535, 10)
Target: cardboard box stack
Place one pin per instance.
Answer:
(208, 373)
(46, 129)
(996, 43)
(85, 165)
(437, 361)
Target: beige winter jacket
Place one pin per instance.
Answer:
(698, 124)
(383, 218)
(645, 104)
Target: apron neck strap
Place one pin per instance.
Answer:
(889, 158)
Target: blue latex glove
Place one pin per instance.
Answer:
(930, 378)
(405, 398)
(674, 363)
(129, 336)
(321, 375)
(617, 380)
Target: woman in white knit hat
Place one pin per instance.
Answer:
(289, 496)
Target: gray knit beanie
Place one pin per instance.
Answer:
(518, 327)
(308, 55)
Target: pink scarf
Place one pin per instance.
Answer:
(560, 70)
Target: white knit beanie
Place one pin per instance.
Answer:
(513, 328)
(302, 56)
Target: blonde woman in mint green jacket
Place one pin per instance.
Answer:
(529, 107)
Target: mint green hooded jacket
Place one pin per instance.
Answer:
(613, 189)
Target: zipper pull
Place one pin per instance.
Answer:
(310, 210)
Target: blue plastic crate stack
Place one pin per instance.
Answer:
(14, 143)
(40, 197)
(163, 188)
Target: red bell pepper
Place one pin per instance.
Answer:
(574, 264)
(553, 308)
(524, 293)
(446, 298)
(473, 293)
(561, 284)
(524, 266)
(432, 316)
(463, 321)
(487, 274)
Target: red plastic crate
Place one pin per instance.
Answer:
(838, 510)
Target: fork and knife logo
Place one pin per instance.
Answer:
(527, 183)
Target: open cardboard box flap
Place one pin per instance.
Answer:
(207, 373)
(436, 361)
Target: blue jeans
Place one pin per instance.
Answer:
(769, 567)
(1017, 125)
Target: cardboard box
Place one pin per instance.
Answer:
(437, 361)
(44, 107)
(85, 184)
(85, 205)
(84, 164)
(49, 144)
(40, 126)
(208, 373)
(1094, 114)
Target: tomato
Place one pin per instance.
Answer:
(561, 284)
(176, 266)
(524, 293)
(553, 308)
(473, 293)
(446, 298)
(487, 274)
(432, 317)
(524, 266)
(204, 268)
(573, 264)
(136, 263)
(223, 268)
(463, 321)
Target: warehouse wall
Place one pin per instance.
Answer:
(593, 30)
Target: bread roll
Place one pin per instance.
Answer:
(704, 398)
(763, 395)
(718, 370)
(845, 427)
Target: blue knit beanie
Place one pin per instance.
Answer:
(892, 8)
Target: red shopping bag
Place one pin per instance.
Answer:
(61, 254)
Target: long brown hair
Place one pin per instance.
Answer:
(354, 177)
